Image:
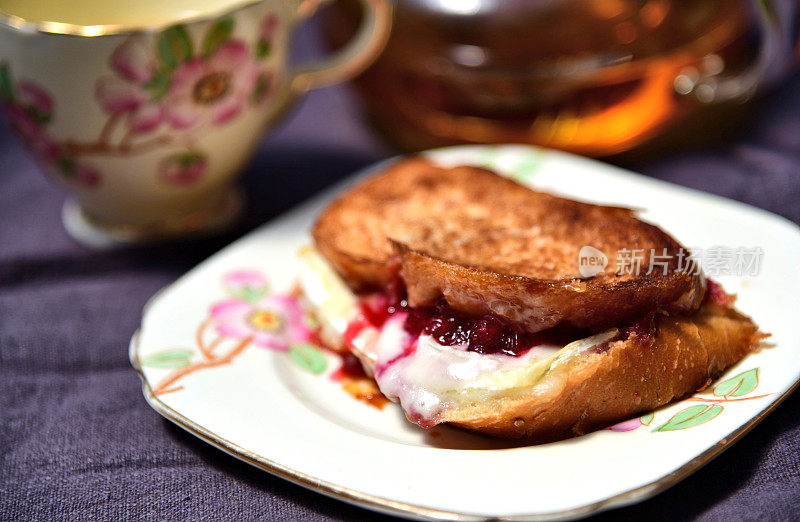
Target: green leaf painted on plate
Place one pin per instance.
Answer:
(309, 358)
(168, 359)
(647, 419)
(219, 33)
(250, 294)
(738, 385)
(691, 416)
(174, 46)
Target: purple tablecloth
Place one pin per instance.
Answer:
(77, 440)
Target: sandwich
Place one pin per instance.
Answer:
(466, 297)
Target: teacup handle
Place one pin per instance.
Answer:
(771, 63)
(362, 49)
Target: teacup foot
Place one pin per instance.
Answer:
(94, 233)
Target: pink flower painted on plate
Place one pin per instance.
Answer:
(211, 90)
(628, 425)
(136, 88)
(242, 280)
(183, 168)
(632, 424)
(275, 321)
(248, 285)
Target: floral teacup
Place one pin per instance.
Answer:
(145, 112)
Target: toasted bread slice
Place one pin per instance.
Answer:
(489, 245)
(633, 376)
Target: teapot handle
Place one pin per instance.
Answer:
(771, 63)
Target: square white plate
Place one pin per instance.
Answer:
(268, 408)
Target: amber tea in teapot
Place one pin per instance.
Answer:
(595, 77)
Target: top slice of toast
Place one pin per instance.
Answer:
(490, 245)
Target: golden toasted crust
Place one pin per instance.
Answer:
(540, 304)
(488, 244)
(633, 376)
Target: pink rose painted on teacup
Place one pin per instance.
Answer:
(274, 321)
(157, 86)
(177, 81)
(262, 50)
(266, 35)
(32, 133)
(35, 101)
(136, 88)
(30, 109)
(263, 87)
(79, 172)
(211, 90)
(182, 168)
(87, 175)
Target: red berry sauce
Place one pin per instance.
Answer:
(487, 334)
(716, 294)
(351, 368)
(643, 330)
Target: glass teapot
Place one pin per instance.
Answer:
(596, 77)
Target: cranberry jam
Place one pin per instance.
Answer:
(486, 334)
(716, 294)
(643, 330)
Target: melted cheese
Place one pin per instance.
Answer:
(424, 376)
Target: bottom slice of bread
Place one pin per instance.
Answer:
(682, 355)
